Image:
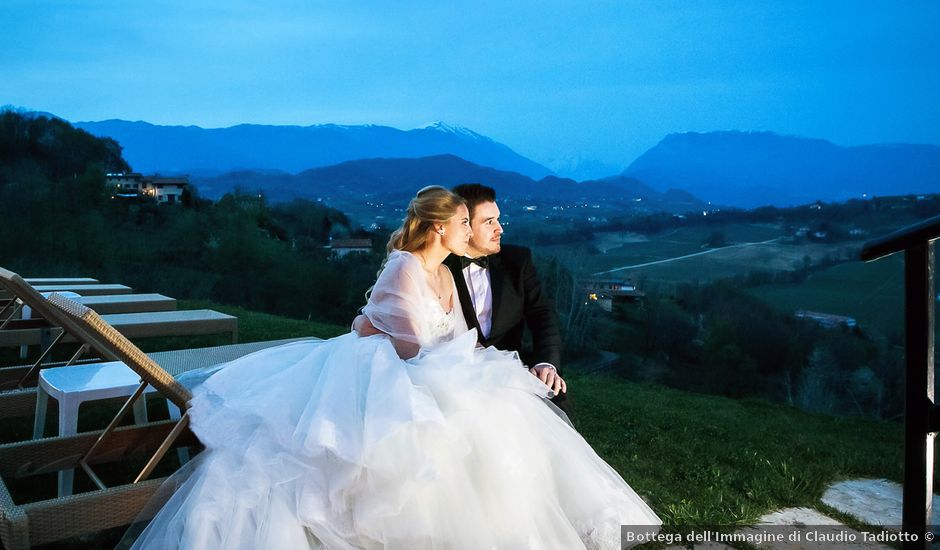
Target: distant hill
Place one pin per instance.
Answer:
(195, 150)
(749, 169)
(41, 145)
(398, 179)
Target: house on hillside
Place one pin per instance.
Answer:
(827, 320)
(160, 189)
(124, 184)
(607, 292)
(342, 247)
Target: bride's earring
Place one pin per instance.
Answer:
(440, 232)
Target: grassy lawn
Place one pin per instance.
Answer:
(702, 459)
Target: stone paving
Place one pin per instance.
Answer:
(871, 501)
(812, 530)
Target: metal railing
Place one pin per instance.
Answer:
(921, 414)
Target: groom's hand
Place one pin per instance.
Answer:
(549, 376)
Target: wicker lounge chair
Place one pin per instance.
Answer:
(53, 327)
(22, 525)
(128, 303)
(189, 322)
(83, 289)
(124, 303)
(61, 281)
(118, 303)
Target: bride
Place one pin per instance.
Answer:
(415, 439)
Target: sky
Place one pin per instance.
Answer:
(559, 82)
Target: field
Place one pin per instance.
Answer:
(872, 293)
(680, 256)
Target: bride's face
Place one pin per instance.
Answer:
(457, 232)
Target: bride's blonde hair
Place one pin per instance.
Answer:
(431, 205)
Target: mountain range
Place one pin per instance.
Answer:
(729, 168)
(395, 180)
(195, 150)
(749, 169)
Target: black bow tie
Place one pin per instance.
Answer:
(482, 261)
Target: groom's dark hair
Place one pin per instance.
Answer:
(474, 194)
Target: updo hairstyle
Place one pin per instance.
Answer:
(433, 204)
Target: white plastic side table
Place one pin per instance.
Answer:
(74, 385)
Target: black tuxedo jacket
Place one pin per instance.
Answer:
(518, 302)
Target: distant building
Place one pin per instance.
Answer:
(125, 184)
(342, 247)
(607, 292)
(827, 320)
(160, 189)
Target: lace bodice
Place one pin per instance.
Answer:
(441, 323)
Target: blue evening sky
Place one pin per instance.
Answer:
(553, 80)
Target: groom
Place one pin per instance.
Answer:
(501, 295)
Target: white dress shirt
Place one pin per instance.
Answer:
(481, 295)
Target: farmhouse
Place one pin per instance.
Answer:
(160, 189)
(827, 320)
(607, 292)
(342, 247)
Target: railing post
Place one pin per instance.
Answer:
(919, 301)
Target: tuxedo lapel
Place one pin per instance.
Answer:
(463, 293)
(497, 284)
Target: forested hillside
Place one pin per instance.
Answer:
(60, 219)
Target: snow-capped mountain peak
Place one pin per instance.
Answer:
(442, 126)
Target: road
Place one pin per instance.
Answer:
(667, 260)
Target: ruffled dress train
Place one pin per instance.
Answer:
(340, 444)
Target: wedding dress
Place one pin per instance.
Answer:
(341, 444)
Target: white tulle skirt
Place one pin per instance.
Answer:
(342, 445)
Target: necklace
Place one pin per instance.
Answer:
(434, 287)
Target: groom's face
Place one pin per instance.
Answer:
(487, 230)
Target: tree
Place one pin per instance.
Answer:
(715, 240)
(815, 389)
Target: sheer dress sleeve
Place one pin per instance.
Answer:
(398, 303)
